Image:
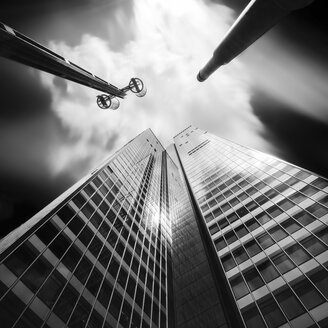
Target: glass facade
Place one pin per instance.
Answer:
(267, 222)
(101, 257)
(206, 234)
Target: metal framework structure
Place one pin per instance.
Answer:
(256, 19)
(18, 47)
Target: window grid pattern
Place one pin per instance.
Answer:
(268, 222)
(102, 258)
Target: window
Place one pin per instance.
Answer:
(241, 231)
(290, 226)
(265, 240)
(286, 204)
(242, 211)
(320, 279)
(252, 224)
(309, 190)
(274, 211)
(297, 197)
(323, 235)
(223, 223)
(261, 200)
(317, 210)
(263, 218)
(239, 287)
(253, 318)
(282, 262)
(252, 248)
(282, 187)
(277, 233)
(268, 271)
(308, 294)
(320, 183)
(272, 314)
(230, 237)
(240, 255)
(65, 213)
(271, 193)
(253, 279)
(297, 254)
(304, 218)
(289, 304)
(313, 245)
(232, 217)
(228, 262)
(220, 244)
(213, 229)
(36, 274)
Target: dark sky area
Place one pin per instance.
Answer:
(29, 128)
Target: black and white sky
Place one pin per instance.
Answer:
(272, 98)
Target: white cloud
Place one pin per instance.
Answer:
(172, 40)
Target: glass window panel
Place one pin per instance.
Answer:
(268, 271)
(253, 279)
(252, 224)
(36, 274)
(228, 262)
(78, 200)
(291, 226)
(320, 183)
(253, 318)
(320, 279)
(66, 213)
(289, 304)
(115, 305)
(51, 289)
(274, 211)
(271, 312)
(313, 245)
(242, 211)
(308, 294)
(323, 235)
(213, 229)
(283, 263)
(232, 217)
(80, 314)
(240, 255)
(286, 204)
(297, 197)
(11, 309)
(278, 233)
(47, 233)
(239, 287)
(297, 254)
(304, 218)
(21, 258)
(83, 269)
(66, 302)
(317, 210)
(230, 237)
(76, 225)
(263, 218)
(220, 243)
(265, 240)
(309, 190)
(252, 248)
(241, 231)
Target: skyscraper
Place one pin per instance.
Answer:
(267, 224)
(207, 233)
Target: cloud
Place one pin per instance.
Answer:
(171, 42)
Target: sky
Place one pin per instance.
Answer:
(273, 97)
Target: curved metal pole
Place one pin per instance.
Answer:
(256, 19)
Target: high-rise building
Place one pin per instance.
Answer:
(207, 233)
(267, 225)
